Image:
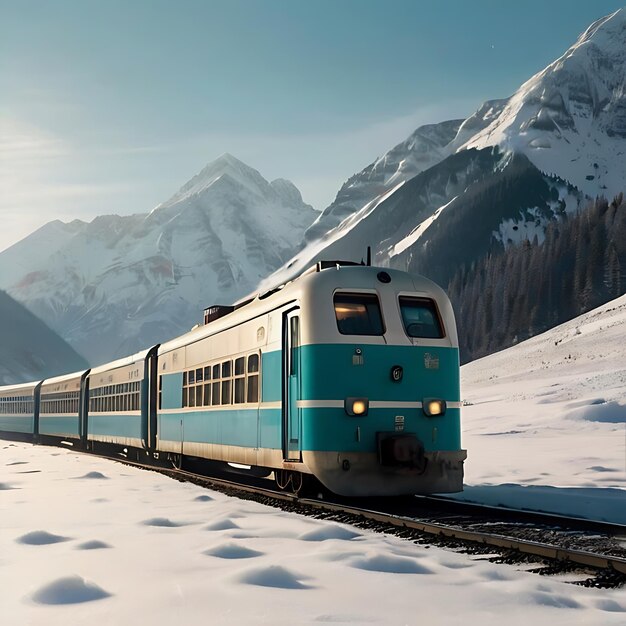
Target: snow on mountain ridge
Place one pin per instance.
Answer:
(224, 165)
(570, 118)
(569, 121)
(423, 148)
(121, 283)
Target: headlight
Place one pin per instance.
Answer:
(433, 407)
(356, 406)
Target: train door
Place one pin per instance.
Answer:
(291, 386)
(83, 408)
(154, 380)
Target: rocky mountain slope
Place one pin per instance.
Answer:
(29, 350)
(117, 284)
(567, 124)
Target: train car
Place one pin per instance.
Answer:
(19, 407)
(118, 402)
(349, 373)
(61, 411)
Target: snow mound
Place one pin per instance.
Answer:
(203, 499)
(162, 522)
(553, 600)
(329, 532)
(390, 564)
(272, 576)
(5, 487)
(92, 545)
(232, 551)
(611, 606)
(224, 524)
(608, 413)
(93, 476)
(69, 590)
(40, 538)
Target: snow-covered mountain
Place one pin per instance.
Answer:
(568, 123)
(423, 149)
(570, 118)
(117, 284)
(29, 350)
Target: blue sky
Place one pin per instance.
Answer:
(109, 107)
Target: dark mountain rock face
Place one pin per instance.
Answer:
(499, 176)
(29, 349)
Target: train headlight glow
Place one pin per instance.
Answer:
(434, 407)
(356, 406)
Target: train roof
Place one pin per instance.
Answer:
(65, 378)
(21, 387)
(127, 360)
(327, 272)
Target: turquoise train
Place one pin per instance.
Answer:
(349, 373)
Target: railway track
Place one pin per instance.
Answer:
(582, 552)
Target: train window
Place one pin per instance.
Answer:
(240, 390)
(294, 324)
(207, 372)
(226, 369)
(184, 396)
(207, 393)
(253, 388)
(358, 314)
(199, 376)
(240, 380)
(420, 318)
(240, 366)
(192, 397)
(216, 372)
(215, 392)
(199, 395)
(226, 388)
(253, 363)
(191, 377)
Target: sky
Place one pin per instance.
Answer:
(109, 107)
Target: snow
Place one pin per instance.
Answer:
(84, 540)
(417, 232)
(142, 279)
(89, 541)
(309, 256)
(569, 118)
(545, 421)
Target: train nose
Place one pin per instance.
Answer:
(404, 450)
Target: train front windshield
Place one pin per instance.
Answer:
(420, 318)
(358, 314)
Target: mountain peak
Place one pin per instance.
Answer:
(226, 165)
(605, 31)
(570, 118)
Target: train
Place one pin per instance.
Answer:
(347, 375)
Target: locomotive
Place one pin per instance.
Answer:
(349, 374)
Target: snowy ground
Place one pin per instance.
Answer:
(87, 541)
(546, 423)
